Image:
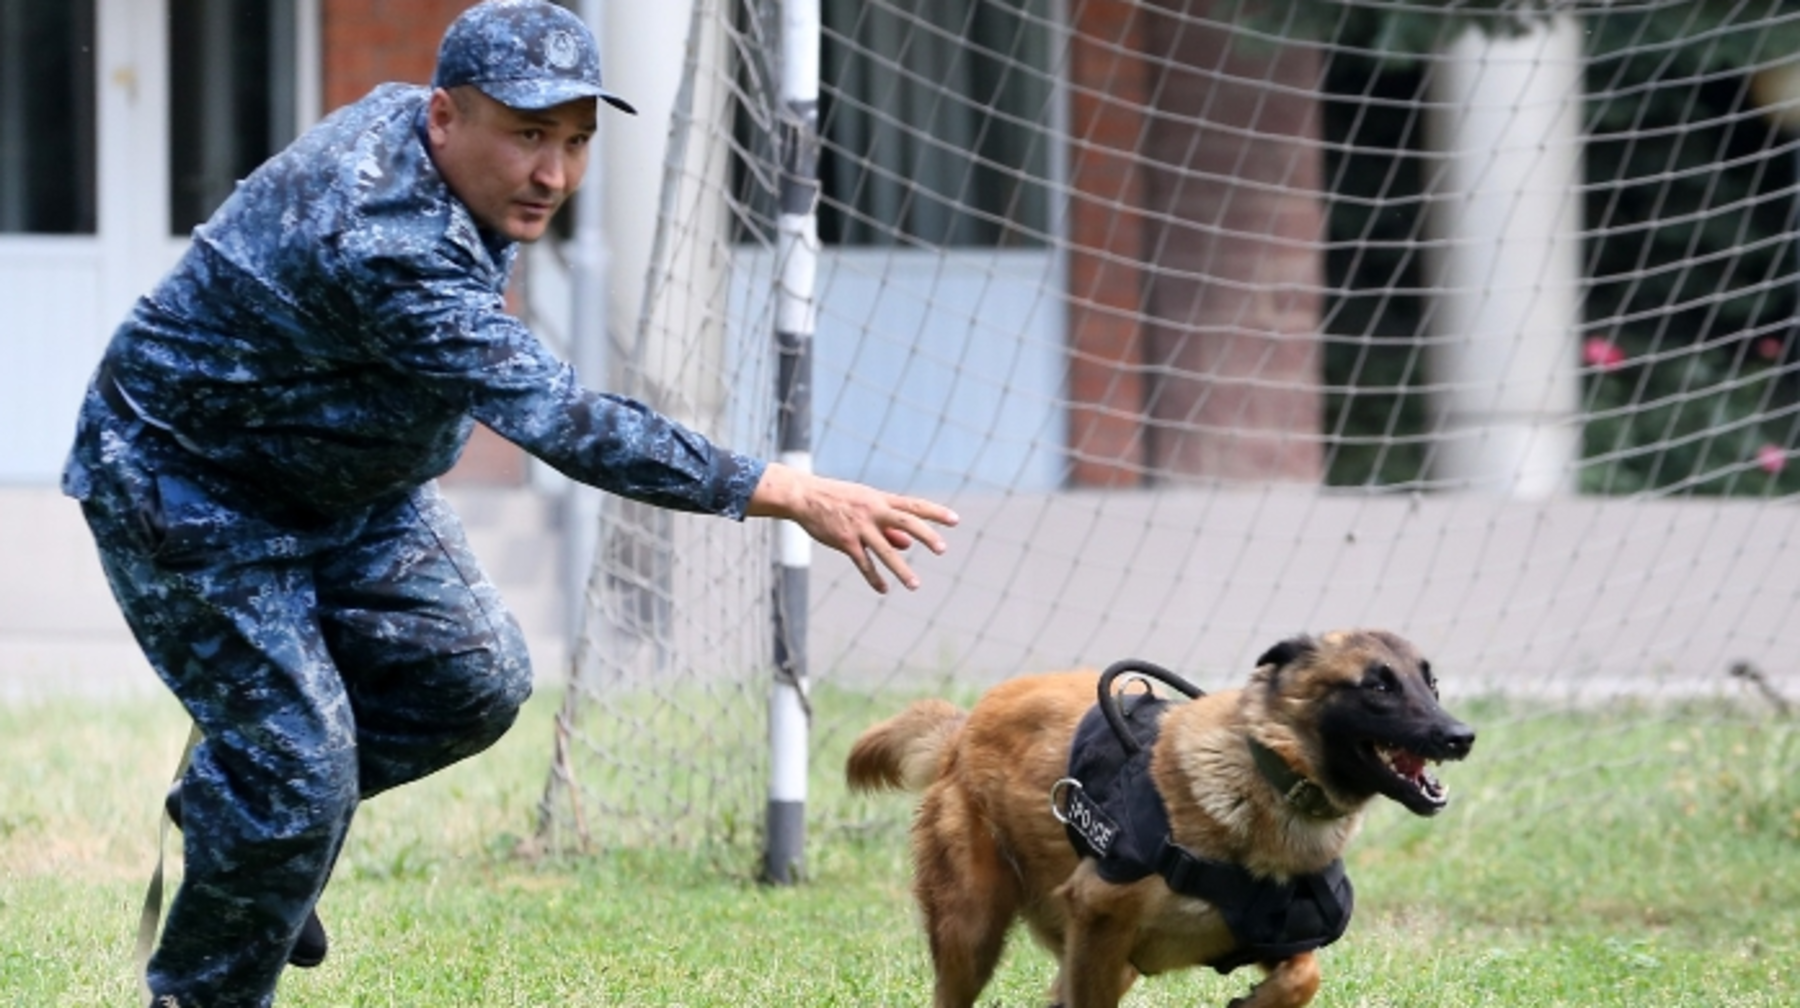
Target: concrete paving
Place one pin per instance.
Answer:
(1576, 600)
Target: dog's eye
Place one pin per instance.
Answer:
(1381, 679)
(1430, 680)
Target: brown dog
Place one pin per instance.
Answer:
(1264, 784)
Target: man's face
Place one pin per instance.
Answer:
(511, 167)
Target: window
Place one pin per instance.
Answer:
(48, 173)
(232, 101)
(932, 117)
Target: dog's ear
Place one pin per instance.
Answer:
(1288, 651)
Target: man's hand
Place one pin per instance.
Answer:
(872, 527)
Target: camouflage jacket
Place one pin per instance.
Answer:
(336, 328)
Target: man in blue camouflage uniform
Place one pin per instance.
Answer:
(255, 458)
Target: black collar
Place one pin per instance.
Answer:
(1302, 795)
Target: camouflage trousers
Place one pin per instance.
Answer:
(323, 660)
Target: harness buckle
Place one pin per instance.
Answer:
(1059, 800)
(1126, 680)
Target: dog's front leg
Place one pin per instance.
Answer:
(1095, 972)
(1291, 983)
(1096, 960)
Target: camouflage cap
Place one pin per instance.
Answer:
(525, 54)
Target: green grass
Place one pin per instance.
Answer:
(1619, 857)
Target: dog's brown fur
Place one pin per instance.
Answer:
(987, 848)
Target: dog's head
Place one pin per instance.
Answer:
(1363, 704)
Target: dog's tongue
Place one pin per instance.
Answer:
(1408, 764)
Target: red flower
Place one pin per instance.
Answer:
(1768, 348)
(1601, 353)
(1771, 458)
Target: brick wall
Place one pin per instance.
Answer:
(370, 42)
(1108, 89)
(1196, 259)
(1233, 170)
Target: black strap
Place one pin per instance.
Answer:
(150, 916)
(1270, 920)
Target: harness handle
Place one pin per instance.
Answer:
(1109, 701)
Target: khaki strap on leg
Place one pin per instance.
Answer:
(151, 915)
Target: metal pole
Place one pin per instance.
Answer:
(588, 352)
(797, 250)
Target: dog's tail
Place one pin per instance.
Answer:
(904, 751)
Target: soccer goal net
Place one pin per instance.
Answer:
(1216, 322)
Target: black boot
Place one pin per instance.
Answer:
(310, 948)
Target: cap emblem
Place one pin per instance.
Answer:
(561, 50)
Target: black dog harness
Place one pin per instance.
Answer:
(1114, 814)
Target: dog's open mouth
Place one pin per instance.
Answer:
(1415, 771)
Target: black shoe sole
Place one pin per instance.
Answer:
(310, 948)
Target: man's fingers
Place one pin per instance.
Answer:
(892, 560)
(915, 528)
(871, 571)
(924, 533)
(910, 521)
(907, 530)
(930, 511)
